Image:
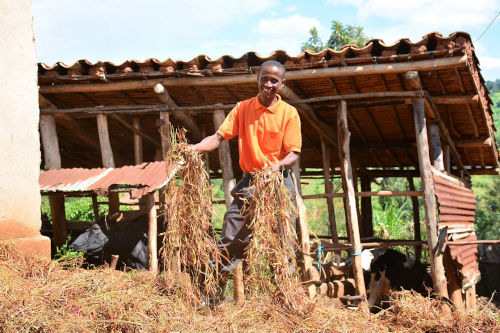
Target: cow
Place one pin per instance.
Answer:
(116, 235)
(387, 269)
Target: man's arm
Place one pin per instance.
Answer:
(208, 144)
(286, 162)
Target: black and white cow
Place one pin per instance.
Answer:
(387, 269)
(115, 235)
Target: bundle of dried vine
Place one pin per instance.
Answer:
(189, 244)
(270, 254)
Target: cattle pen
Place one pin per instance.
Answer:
(415, 110)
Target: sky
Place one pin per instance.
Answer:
(119, 30)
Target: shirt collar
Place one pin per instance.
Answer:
(273, 108)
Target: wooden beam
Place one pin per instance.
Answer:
(77, 130)
(452, 99)
(368, 194)
(106, 151)
(184, 117)
(48, 134)
(307, 112)
(304, 74)
(225, 160)
(325, 154)
(349, 196)
(138, 152)
(429, 199)
(56, 201)
(474, 143)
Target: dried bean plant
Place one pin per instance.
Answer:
(189, 244)
(270, 254)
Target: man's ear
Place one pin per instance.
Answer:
(282, 83)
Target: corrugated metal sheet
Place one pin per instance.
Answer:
(457, 208)
(138, 179)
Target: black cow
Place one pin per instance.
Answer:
(386, 270)
(115, 235)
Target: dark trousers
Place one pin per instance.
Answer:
(236, 234)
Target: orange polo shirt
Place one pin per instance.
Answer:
(265, 135)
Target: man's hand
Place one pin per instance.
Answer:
(276, 166)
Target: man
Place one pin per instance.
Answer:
(269, 137)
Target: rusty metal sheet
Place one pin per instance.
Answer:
(137, 179)
(457, 209)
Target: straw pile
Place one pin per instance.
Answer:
(41, 296)
(189, 244)
(270, 254)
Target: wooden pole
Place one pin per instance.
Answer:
(114, 202)
(416, 220)
(106, 151)
(451, 272)
(138, 152)
(149, 207)
(429, 200)
(349, 196)
(329, 190)
(228, 183)
(303, 235)
(184, 117)
(56, 201)
(366, 208)
(225, 160)
(310, 73)
(95, 207)
(165, 133)
(50, 144)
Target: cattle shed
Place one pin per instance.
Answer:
(411, 109)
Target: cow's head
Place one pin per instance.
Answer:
(92, 241)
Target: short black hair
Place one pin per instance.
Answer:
(269, 63)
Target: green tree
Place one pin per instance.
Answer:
(340, 35)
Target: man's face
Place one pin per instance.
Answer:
(269, 81)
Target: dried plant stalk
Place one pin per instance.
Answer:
(189, 244)
(270, 254)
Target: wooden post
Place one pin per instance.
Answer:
(303, 235)
(165, 133)
(470, 298)
(416, 219)
(225, 160)
(366, 208)
(48, 133)
(454, 288)
(56, 201)
(451, 273)
(138, 153)
(329, 190)
(446, 157)
(429, 199)
(228, 182)
(106, 151)
(114, 202)
(149, 206)
(349, 195)
(95, 207)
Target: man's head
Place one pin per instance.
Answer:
(270, 79)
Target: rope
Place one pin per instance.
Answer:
(320, 252)
(357, 252)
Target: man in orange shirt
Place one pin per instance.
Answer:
(269, 137)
